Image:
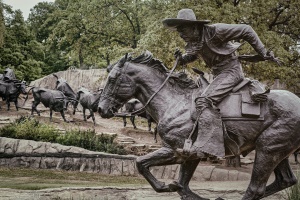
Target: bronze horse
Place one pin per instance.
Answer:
(273, 139)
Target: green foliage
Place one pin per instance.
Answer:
(95, 33)
(89, 140)
(31, 129)
(20, 50)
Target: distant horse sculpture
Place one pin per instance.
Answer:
(274, 135)
(134, 105)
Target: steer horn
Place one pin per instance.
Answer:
(55, 76)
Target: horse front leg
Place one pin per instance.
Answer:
(160, 157)
(187, 170)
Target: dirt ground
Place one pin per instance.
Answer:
(137, 141)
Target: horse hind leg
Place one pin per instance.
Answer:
(272, 148)
(284, 178)
(262, 169)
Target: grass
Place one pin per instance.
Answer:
(36, 179)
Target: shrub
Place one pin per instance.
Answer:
(89, 140)
(31, 129)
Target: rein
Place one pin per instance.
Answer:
(162, 85)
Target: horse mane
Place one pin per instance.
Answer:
(177, 78)
(147, 59)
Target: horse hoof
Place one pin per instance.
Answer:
(192, 196)
(175, 186)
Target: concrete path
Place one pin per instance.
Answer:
(229, 190)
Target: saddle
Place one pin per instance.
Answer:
(244, 102)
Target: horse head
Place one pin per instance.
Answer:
(118, 90)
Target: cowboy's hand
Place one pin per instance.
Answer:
(270, 56)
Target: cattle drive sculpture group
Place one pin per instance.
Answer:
(248, 116)
(56, 99)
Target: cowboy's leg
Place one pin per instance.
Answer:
(210, 129)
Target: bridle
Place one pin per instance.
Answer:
(120, 78)
(110, 93)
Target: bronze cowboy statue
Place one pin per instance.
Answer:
(213, 43)
(255, 119)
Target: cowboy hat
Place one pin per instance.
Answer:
(184, 17)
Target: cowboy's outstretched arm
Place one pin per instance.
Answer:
(228, 32)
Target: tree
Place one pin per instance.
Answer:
(2, 26)
(20, 49)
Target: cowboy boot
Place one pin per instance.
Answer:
(210, 137)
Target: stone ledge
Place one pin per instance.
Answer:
(45, 155)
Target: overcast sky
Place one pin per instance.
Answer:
(24, 5)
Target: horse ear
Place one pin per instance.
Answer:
(109, 68)
(123, 60)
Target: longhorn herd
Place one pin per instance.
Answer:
(58, 98)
